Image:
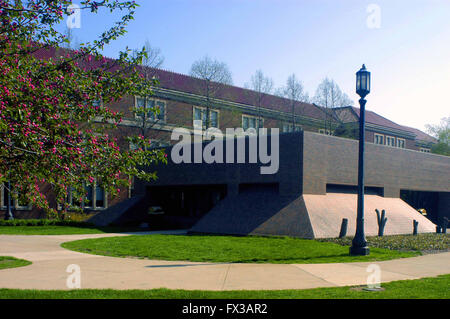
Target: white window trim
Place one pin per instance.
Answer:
(203, 109)
(391, 138)
(425, 150)
(256, 120)
(164, 120)
(296, 128)
(327, 132)
(398, 142)
(94, 200)
(375, 139)
(14, 202)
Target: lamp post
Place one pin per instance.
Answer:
(359, 243)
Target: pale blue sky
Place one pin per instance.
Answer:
(409, 55)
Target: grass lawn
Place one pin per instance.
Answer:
(426, 288)
(11, 262)
(421, 242)
(250, 249)
(62, 230)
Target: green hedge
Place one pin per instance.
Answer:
(44, 222)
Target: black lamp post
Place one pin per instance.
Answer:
(359, 243)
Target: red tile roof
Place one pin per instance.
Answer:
(189, 84)
(421, 136)
(374, 118)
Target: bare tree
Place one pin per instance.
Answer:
(154, 57)
(294, 92)
(261, 85)
(146, 109)
(214, 75)
(329, 95)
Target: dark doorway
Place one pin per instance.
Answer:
(423, 200)
(180, 207)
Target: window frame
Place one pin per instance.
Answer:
(256, 121)
(401, 140)
(325, 132)
(94, 199)
(295, 128)
(14, 201)
(379, 135)
(203, 109)
(390, 138)
(149, 119)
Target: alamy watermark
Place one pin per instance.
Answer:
(74, 19)
(213, 152)
(374, 279)
(374, 18)
(74, 279)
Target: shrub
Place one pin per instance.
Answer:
(44, 222)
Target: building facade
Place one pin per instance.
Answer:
(180, 100)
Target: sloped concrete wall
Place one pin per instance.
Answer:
(327, 211)
(307, 216)
(257, 213)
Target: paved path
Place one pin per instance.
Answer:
(50, 262)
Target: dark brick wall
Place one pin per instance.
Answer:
(288, 176)
(334, 160)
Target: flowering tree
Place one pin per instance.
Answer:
(54, 118)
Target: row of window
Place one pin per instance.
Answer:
(95, 199)
(200, 114)
(389, 140)
(249, 121)
(17, 204)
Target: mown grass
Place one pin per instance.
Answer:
(421, 242)
(426, 288)
(250, 249)
(11, 262)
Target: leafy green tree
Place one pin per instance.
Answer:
(442, 132)
(54, 114)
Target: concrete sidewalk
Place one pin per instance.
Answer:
(50, 262)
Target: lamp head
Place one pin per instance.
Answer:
(363, 82)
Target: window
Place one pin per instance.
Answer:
(148, 110)
(425, 150)
(249, 121)
(99, 197)
(400, 142)
(199, 114)
(290, 128)
(327, 132)
(390, 141)
(379, 139)
(94, 198)
(17, 204)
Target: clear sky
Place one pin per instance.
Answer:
(404, 43)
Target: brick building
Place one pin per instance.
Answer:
(181, 100)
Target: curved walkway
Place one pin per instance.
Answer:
(50, 262)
